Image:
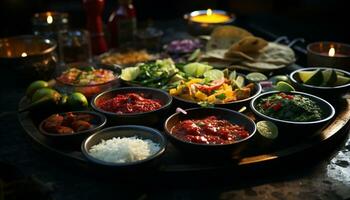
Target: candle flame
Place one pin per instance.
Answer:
(49, 19)
(331, 52)
(24, 54)
(209, 12)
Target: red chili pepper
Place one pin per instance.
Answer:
(277, 106)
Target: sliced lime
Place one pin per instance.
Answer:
(239, 81)
(342, 80)
(196, 69)
(267, 129)
(329, 77)
(284, 87)
(256, 77)
(214, 74)
(311, 77)
(277, 78)
(130, 73)
(233, 75)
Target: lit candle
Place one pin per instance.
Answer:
(49, 19)
(211, 17)
(203, 22)
(329, 54)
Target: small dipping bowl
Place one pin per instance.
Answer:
(99, 121)
(329, 54)
(327, 92)
(211, 150)
(203, 22)
(88, 90)
(31, 57)
(296, 128)
(144, 118)
(141, 132)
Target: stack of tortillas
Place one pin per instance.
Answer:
(230, 46)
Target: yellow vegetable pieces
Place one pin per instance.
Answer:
(224, 94)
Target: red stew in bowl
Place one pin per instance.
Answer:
(129, 103)
(210, 130)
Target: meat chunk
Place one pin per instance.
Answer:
(81, 125)
(64, 130)
(52, 122)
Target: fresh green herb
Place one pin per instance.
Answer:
(221, 96)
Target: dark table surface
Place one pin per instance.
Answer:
(323, 173)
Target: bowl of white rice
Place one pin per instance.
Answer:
(124, 146)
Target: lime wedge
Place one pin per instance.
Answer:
(130, 73)
(342, 80)
(214, 74)
(329, 77)
(284, 87)
(239, 81)
(196, 69)
(256, 77)
(277, 78)
(233, 75)
(267, 129)
(312, 78)
(305, 75)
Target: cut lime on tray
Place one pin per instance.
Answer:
(267, 129)
(284, 87)
(130, 73)
(196, 69)
(256, 77)
(214, 74)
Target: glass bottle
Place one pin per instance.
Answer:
(94, 10)
(122, 23)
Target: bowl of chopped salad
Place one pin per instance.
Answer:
(87, 78)
(296, 109)
(215, 88)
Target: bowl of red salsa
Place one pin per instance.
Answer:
(133, 105)
(209, 129)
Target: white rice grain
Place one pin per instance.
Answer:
(124, 150)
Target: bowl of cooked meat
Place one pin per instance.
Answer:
(72, 126)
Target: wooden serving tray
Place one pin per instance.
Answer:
(177, 161)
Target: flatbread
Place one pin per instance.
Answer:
(262, 66)
(238, 55)
(223, 37)
(275, 53)
(249, 44)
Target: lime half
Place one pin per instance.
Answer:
(284, 87)
(214, 74)
(267, 129)
(256, 77)
(196, 69)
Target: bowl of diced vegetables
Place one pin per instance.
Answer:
(156, 74)
(213, 87)
(325, 82)
(87, 78)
